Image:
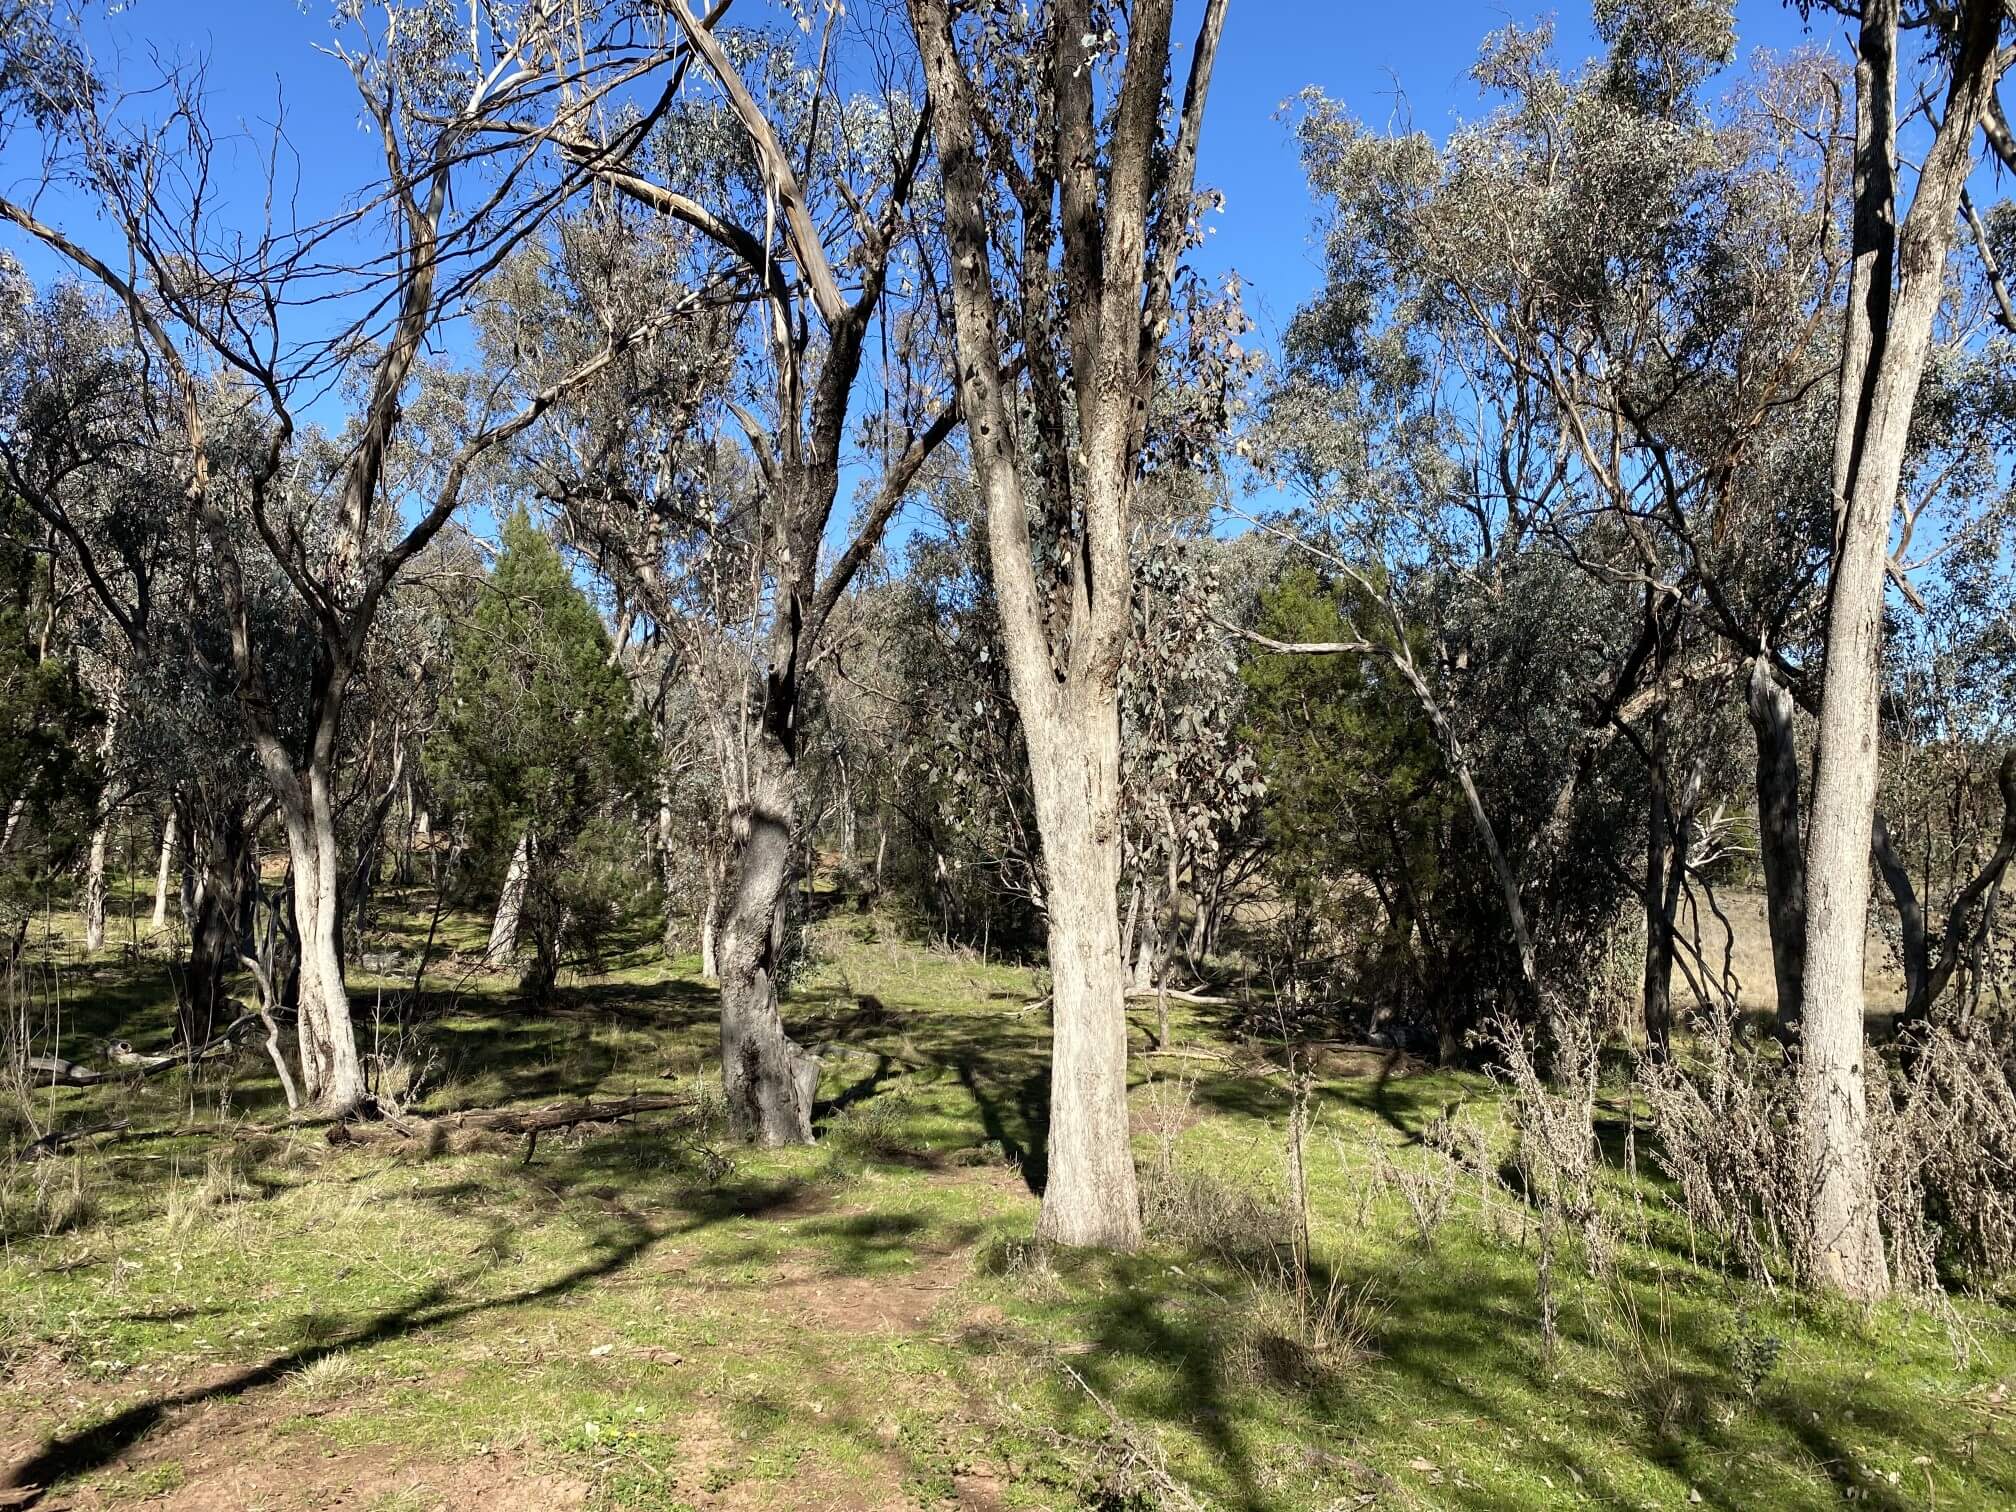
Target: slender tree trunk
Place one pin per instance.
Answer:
(710, 924)
(1665, 868)
(768, 1082)
(1198, 945)
(1090, 1197)
(1885, 344)
(108, 799)
(1143, 928)
(94, 881)
(666, 847)
(510, 903)
(164, 872)
(1779, 842)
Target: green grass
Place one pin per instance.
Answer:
(656, 1328)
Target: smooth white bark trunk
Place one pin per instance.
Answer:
(164, 872)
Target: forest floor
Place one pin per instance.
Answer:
(213, 1310)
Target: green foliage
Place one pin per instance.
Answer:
(48, 722)
(539, 738)
(1356, 788)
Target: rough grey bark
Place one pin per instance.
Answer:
(1780, 845)
(768, 1081)
(1090, 1195)
(1884, 349)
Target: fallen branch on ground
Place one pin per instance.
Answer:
(55, 1140)
(129, 1064)
(508, 1120)
(1180, 996)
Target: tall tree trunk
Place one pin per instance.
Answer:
(1884, 347)
(164, 872)
(510, 903)
(94, 881)
(1779, 842)
(710, 923)
(665, 848)
(1090, 1196)
(217, 892)
(1665, 869)
(768, 1082)
(1143, 926)
(108, 799)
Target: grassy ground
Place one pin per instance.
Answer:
(217, 1315)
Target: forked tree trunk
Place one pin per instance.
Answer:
(164, 872)
(1779, 842)
(332, 1075)
(510, 903)
(1090, 1197)
(767, 1081)
(1885, 343)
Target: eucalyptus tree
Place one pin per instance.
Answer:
(219, 307)
(707, 492)
(1069, 170)
(1897, 283)
(91, 443)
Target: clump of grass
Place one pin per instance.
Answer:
(58, 1199)
(337, 1374)
(224, 1183)
(1197, 1211)
(878, 1129)
(1301, 1339)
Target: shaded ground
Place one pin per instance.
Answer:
(638, 1316)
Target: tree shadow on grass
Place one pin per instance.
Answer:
(1026, 1140)
(67, 1456)
(1456, 1355)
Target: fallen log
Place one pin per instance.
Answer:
(528, 1121)
(1180, 996)
(129, 1064)
(55, 1141)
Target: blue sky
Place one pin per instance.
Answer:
(1389, 63)
(1396, 63)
